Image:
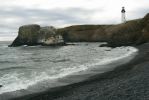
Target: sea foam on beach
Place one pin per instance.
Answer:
(22, 67)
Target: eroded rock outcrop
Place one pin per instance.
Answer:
(36, 35)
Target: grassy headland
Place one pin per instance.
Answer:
(130, 33)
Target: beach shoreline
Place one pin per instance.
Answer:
(103, 86)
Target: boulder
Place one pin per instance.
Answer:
(36, 35)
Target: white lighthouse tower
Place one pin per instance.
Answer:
(123, 15)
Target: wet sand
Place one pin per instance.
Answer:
(127, 82)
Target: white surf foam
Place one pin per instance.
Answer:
(14, 81)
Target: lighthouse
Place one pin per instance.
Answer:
(123, 15)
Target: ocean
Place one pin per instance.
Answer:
(32, 69)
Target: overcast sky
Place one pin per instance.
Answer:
(60, 13)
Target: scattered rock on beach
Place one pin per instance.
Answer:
(1, 86)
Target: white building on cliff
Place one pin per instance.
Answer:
(123, 15)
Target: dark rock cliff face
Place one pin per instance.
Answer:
(36, 35)
(84, 33)
(132, 32)
(27, 35)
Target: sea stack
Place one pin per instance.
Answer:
(35, 35)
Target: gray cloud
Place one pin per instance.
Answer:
(57, 16)
(139, 12)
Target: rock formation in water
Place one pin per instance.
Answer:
(132, 32)
(36, 35)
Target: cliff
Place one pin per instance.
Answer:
(132, 32)
(36, 35)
